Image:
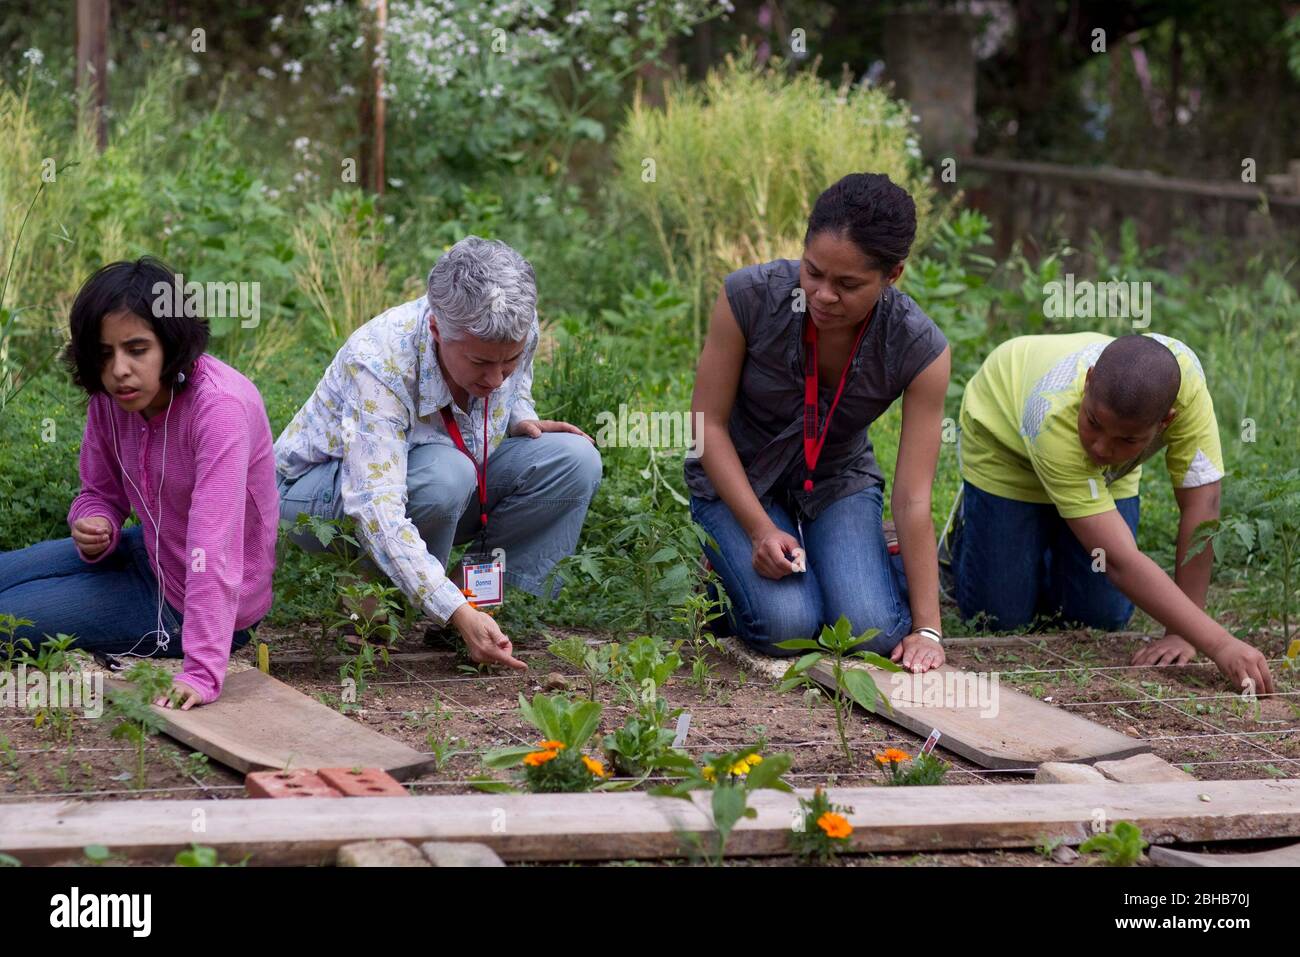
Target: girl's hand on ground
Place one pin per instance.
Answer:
(770, 551)
(533, 429)
(1169, 650)
(918, 653)
(92, 534)
(487, 643)
(1245, 667)
(185, 697)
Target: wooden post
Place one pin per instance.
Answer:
(92, 62)
(371, 111)
(381, 26)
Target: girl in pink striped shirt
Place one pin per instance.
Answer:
(181, 439)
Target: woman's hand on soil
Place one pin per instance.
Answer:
(1169, 650)
(1245, 667)
(487, 643)
(182, 697)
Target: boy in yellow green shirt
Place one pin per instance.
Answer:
(1054, 431)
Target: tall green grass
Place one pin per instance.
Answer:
(725, 174)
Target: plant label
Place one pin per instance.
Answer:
(683, 726)
(931, 741)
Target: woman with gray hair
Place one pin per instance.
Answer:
(423, 428)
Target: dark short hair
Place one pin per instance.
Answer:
(131, 286)
(876, 214)
(1137, 378)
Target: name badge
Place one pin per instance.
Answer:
(484, 582)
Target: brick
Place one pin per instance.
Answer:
(1062, 772)
(370, 782)
(299, 782)
(1142, 769)
(381, 854)
(460, 854)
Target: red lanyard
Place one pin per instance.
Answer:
(479, 473)
(813, 436)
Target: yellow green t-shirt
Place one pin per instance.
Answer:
(1020, 427)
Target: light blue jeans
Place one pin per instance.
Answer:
(111, 605)
(850, 572)
(538, 491)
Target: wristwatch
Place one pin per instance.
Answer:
(930, 633)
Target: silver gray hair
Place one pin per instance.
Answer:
(483, 288)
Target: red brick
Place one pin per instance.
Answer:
(370, 782)
(288, 784)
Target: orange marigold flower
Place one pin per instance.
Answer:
(892, 756)
(594, 766)
(835, 825)
(551, 745)
(538, 758)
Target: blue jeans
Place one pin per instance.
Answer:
(850, 572)
(538, 491)
(111, 606)
(1015, 562)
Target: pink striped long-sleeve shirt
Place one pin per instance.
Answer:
(220, 508)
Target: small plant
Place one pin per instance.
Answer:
(695, 614)
(54, 655)
(10, 647)
(643, 667)
(850, 684)
(730, 777)
(924, 769)
(132, 707)
(1121, 846)
(596, 663)
(555, 764)
(643, 744)
(199, 855)
(1046, 848)
(823, 829)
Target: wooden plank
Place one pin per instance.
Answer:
(1279, 857)
(1024, 733)
(595, 826)
(1003, 729)
(260, 723)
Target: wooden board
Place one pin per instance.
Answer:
(1003, 729)
(260, 723)
(1024, 733)
(594, 826)
(1279, 857)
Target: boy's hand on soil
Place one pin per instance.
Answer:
(1239, 662)
(183, 695)
(92, 534)
(1169, 650)
(918, 653)
(486, 642)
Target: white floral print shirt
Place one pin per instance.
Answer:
(378, 399)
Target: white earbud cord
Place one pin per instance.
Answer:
(161, 637)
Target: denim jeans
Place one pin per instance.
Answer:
(538, 491)
(850, 572)
(110, 606)
(1017, 561)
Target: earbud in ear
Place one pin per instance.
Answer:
(180, 378)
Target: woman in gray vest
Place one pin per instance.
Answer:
(801, 357)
